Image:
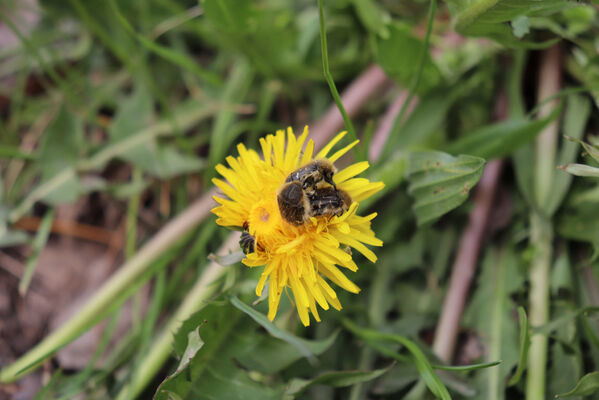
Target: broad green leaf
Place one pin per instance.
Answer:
(335, 379)
(269, 355)
(224, 334)
(58, 155)
(399, 55)
(586, 386)
(424, 366)
(273, 329)
(500, 139)
(440, 182)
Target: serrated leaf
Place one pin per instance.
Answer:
(586, 386)
(440, 182)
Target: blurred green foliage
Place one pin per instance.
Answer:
(163, 90)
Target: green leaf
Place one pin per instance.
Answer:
(269, 355)
(591, 150)
(234, 92)
(586, 386)
(578, 110)
(580, 170)
(500, 139)
(471, 14)
(524, 345)
(490, 315)
(399, 55)
(425, 368)
(374, 17)
(38, 245)
(273, 329)
(581, 226)
(564, 319)
(211, 372)
(440, 182)
(335, 379)
(229, 15)
(470, 367)
(135, 113)
(58, 156)
(392, 172)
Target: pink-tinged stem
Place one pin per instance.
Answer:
(465, 262)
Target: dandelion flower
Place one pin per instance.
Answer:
(305, 258)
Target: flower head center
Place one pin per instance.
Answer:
(264, 218)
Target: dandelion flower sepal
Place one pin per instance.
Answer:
(308, 257)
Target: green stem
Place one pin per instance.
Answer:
(541, 229)
(160, 349)
(541, 237)
(112, 291)
(329, 77)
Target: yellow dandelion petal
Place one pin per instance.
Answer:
(341, 152)
(335, 275)
(303, 258)
(350, 172)
(325, 150)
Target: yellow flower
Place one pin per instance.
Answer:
(306, 257)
